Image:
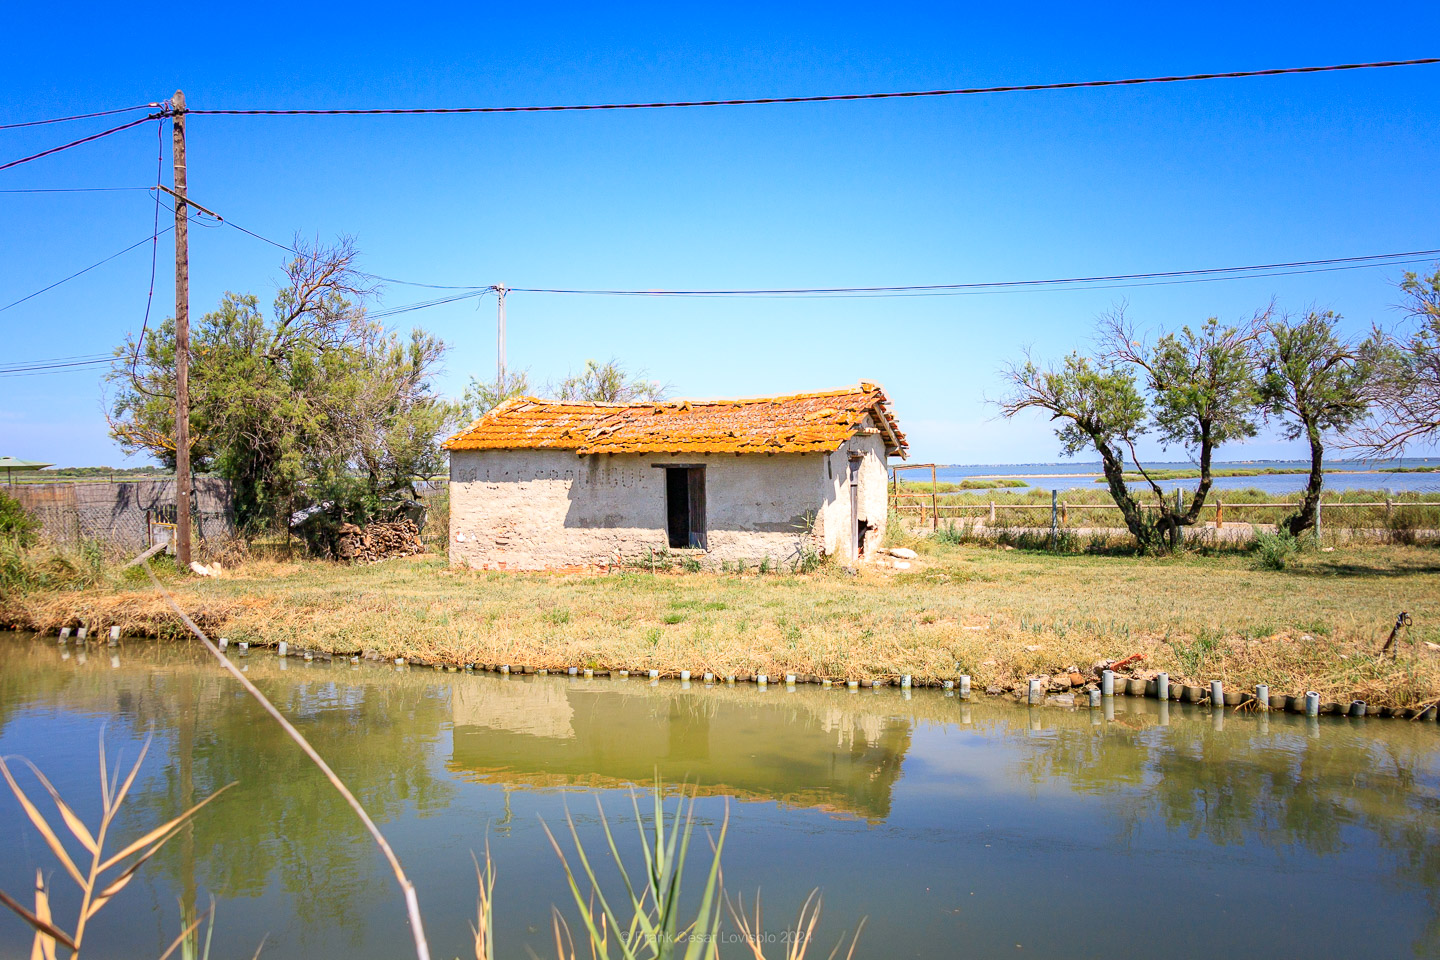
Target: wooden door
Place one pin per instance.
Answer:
(697, 508)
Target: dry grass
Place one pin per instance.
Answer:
(998, 615)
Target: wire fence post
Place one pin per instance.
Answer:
(1054, 517)
(934, 500)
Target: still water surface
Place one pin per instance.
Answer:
(978, 830)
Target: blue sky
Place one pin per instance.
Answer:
(963, 189)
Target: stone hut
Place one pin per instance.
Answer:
(544, 484)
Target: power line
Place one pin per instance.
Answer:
(37, 370)
(942, 289)
(410, 307)
(27, 363)
(154, 252)
(369, 276)
(78, 116)
(828, 98)
(86, 270)
(74, 189)
(76, 143)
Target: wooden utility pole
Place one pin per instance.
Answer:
(500, 291)
(182, 339)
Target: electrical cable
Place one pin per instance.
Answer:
(154, 252)
(410, 307)
(942, 289)
(55, 364)
(79, 116)
(27, 363)
(86, 270)
(76, 143)
(484, 288)
(908, 94)
(74, 189)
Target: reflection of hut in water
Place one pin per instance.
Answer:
(786, 748)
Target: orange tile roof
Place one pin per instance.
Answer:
(798, 423)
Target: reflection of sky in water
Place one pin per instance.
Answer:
(958, 829)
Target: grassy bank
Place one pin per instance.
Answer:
(1000, 615)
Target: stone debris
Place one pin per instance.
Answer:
(378, 541)
(902, 553)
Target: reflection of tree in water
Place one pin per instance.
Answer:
(282, 820)
(1273, 785)
(283, 817)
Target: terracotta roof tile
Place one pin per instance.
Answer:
(797, 423)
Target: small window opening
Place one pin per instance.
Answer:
(685, 506)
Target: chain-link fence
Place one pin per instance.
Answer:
(125, 515)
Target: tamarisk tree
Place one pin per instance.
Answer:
(1406, 385)
(1195, 388)
(314, 402)
(1316, 384)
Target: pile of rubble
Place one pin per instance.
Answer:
(378, 541)
(897, 557)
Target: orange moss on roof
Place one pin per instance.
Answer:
(797, 423)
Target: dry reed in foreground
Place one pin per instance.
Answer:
(999, 615)
(97, 882)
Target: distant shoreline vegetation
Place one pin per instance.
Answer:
(1262, 472)
(948, 486)
(1094, 466)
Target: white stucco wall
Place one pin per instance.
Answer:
(834, 527)
(536, 509)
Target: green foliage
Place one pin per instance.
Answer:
(764, 566)
(1203, 382)
(1194, 388)
(285, 406)
(944, 486)
(608, 383)
(482, 396)
(1193, 653)
(1407, 388)
(1315, 384)
(1274, 551)
(808, 558)
(351, 500)
(950, 534)
(16, 524)
(654, 926)
(25, 569)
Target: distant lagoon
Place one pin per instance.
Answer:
(1339, 475)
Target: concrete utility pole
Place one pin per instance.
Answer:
(182, 338)
(500, 291)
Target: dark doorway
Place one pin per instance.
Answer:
(685, 506)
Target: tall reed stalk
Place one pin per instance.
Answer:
(96, 879)
(412, 901)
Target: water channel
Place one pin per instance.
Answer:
(960, 829)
